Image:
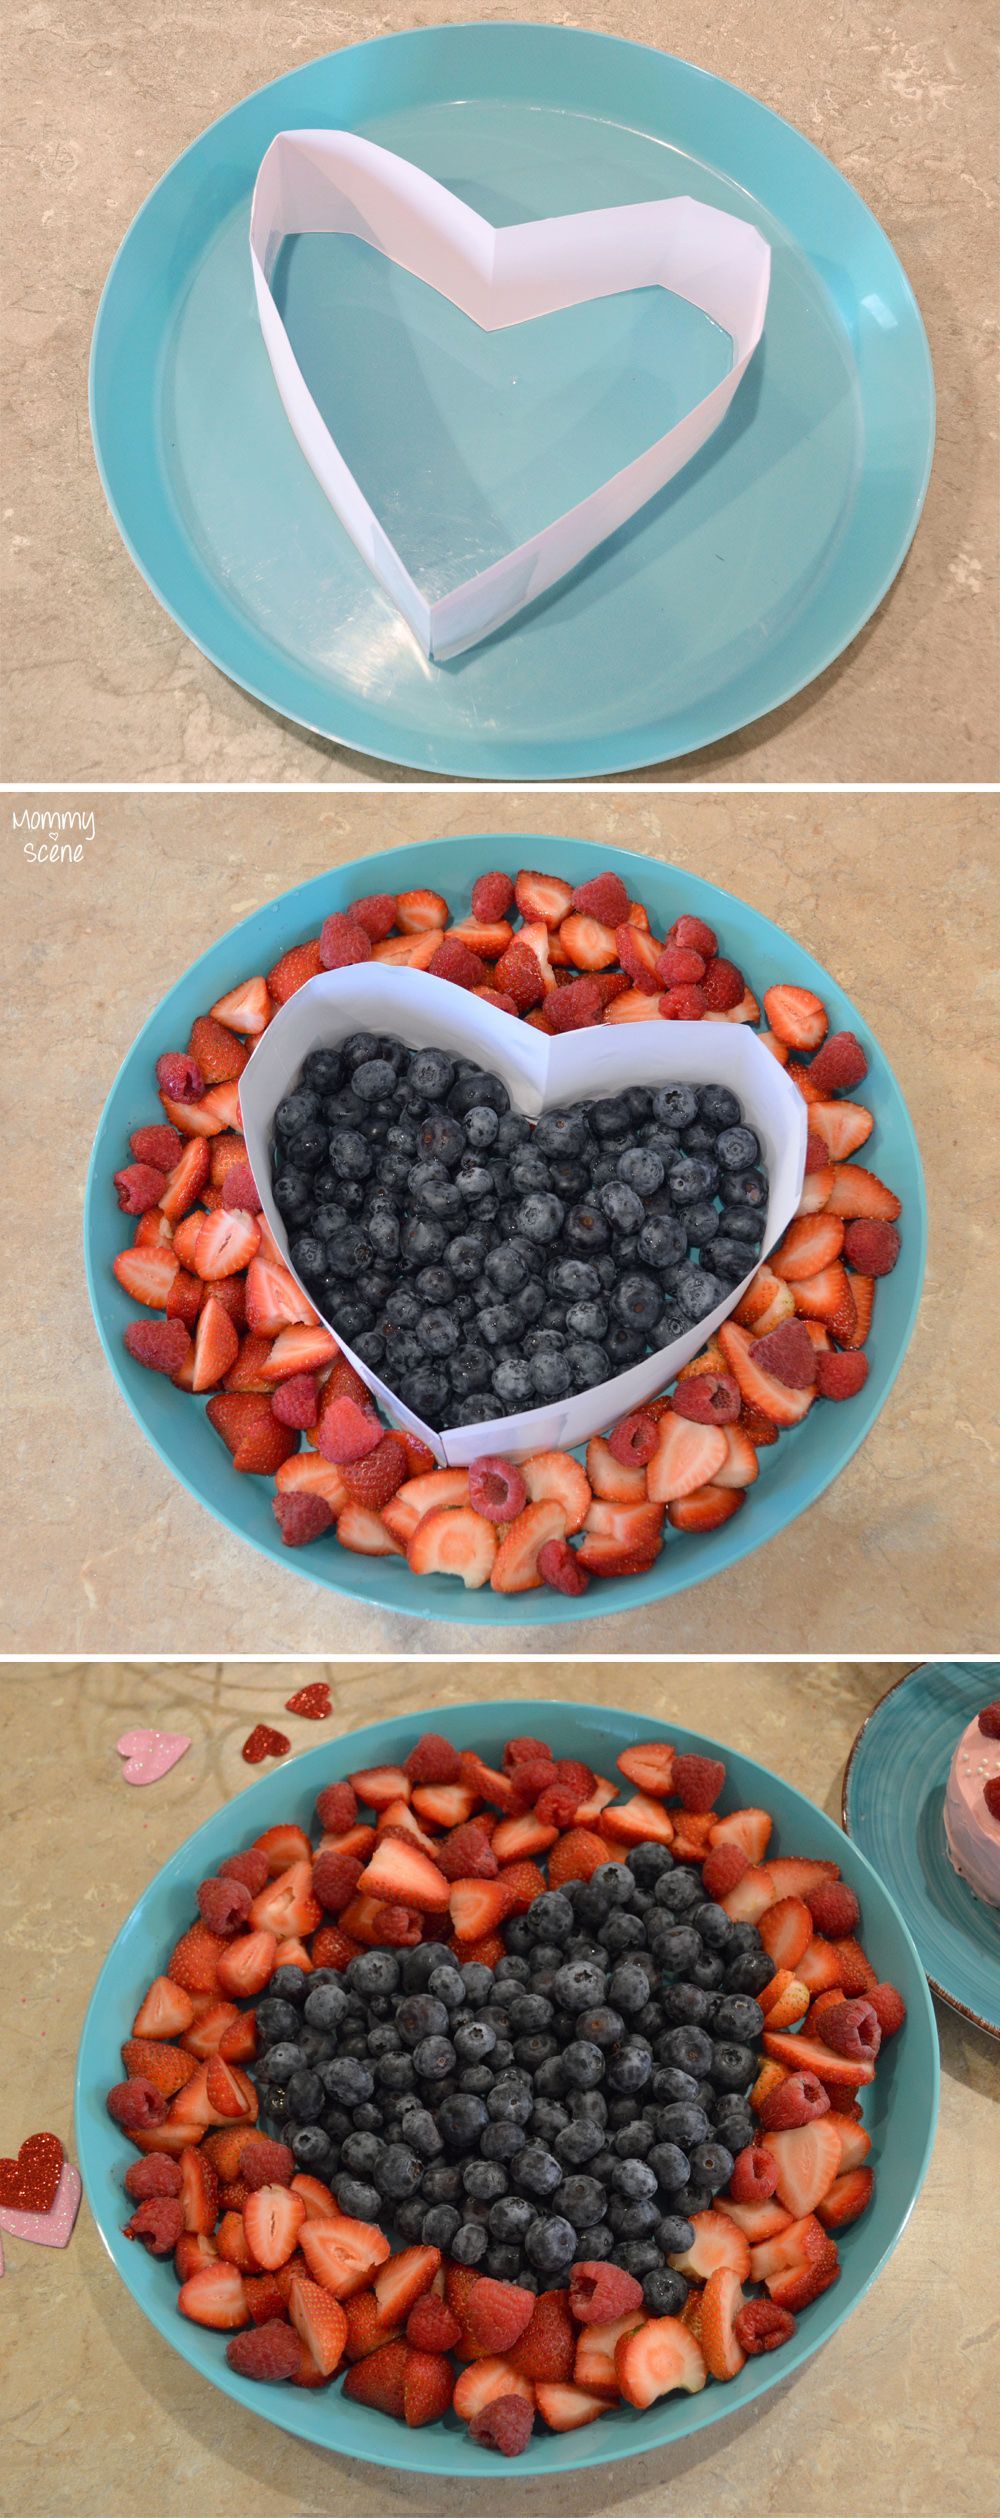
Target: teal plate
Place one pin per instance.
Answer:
(731, 591)
(792, 1474)
(893, 1803)
(904, 2094)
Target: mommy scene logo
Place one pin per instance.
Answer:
(54, 838)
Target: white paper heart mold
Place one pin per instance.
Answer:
(332, 182)
(539, 1074)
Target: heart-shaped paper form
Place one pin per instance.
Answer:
(333, 182)
(540, 1074)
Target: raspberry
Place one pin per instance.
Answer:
(466, 1854)
(337, 1808)
(723, 986)
(264, 2163)
(519, 974)
(834, 1909)
(506, 2424)
(374, 1480)
(817, 1151)
(376, 914)
(557, 1806)
(269, 2351)
(559, 1566)
(991, 1796)
(496, 2313)
(698, 1781)
(851, 2028)
(250, 1867)
(838, 1065)
(341, 943)
(682, 1005)
(696, 935)
(159, 2223)
(788, 1354)
(162, 1345)
(679, 967)
(136, 2106)
(722, 1868)
(496, 1488)
(518, 1752)
(432, 1760)
(604, 897)
(492, 898)
(889, 2008)
(612, 983)
(581, 1778)
(396, 1927)
(529, 1781)
(503, 1004)
(179, 1076)
(707, 1398)
(239, 1189)
(989, 1720)
(431, 2325)
(636, 960)
(296, 1401)
(871, 1246)
(335, 1879)
(347, 1432)
(840, 1376)
(457, 961)
(760, 2326)
(151, 2177)
(635, 1439)
(140, 1186)
(600, 2292)
(572, 1008)
(755, 2175)
(794, 2102)
(224, 1905)
(161, 1146)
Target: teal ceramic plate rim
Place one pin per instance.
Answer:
(437, 2450)
(963, 1949)
(294, 692)
(255, 943)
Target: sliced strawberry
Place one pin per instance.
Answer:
(274, 1301)
(608, 1557)
(554, 1476)
(246, 1009)
(147, 1274)
(848, 2196)
(216, 1346)
(206, 2033)
(720, 2307)
(808, 2161)
(484, 2381)
(418, 912)
(517, 1839)
(658, 2357)
(779, 1404)
(281, 1846)
(707, 1508)
(215, 2297)
(637, 1821)
(796, 1016)
(193, 1119)
(855, 2142)
(409, 952)
(566, 2407)
(478, 1906)
(717, 2243)
(687, 1457)
(589, 944)
(287, 1905)
(454, 1541)
(801, 2242)
(634, 1007)
(317, 2198)
(800, 2053)
(227, 1242)
(186, 1180)
(650, 1765)
(826, 1296)
(741, 1466)
(165, 2010)
(543, 896)
(844, 1127)
(377, 1786)
(272, 2218)
(342, 2253)
(786, 1930)
(611, 1478)
(402, 2279)
(402, 1875)
(811, 1243)
(307, 1472)
(801, 2284)
(758, 2221)
(365, 1533)
(515, 1567)
(594, 2365)
(444, 1805)
(636, 1527)
(247, 1964)
(751, 1829)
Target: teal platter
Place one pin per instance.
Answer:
(730, 592)
(900, 2107)
(793, 1472)
(893, 1803)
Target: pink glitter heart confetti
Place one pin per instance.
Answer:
(53, 2228)
(150, 1754)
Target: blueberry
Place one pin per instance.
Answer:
(441, 1138)
(748, 1972)
(662, 1242)
(312, 2147)
(536, 2171)
(579, 1985)
(278, 2022)
(540, 1216)
(551, 1375)
(737, 1149)
(511, 2217)
(509, 2101)
(737, 2015)
(506, 1268)
(718, 1106)
(550, 2245)
(583, 2200)
(586, 1228)
(588, 1362)
(481, 1125)
(469, 2243)
(733, 2065)
(433, 2058)
(744, 1189)
(621, 1205)
(712, 2165)
(664, 2291)
(675, 1105)
(587, 1323)
(440, 2226)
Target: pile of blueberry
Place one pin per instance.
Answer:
(484, 1264)
(583, 2098)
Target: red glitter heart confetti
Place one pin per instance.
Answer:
(28, 2184)
(263, 1742)
(313, 1702)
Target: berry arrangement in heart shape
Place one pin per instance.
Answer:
(510, 2097)
(223, 1318)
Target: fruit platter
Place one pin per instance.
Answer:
(477, 1265)
(523, 2093)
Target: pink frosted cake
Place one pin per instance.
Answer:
(972, 1806)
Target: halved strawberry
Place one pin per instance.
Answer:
(594, 2366)
(658, 2357)
(800, 2242)
(317, 2198)
(272, 2218)
(192, 1119)
(637, 1821)
(186, 1180)
(566, 2407)
(543, 896)
(319, 2320)
(379, 2379)
(811, 1243)
(483, 2381)
(478, 1906)
(299, 1350)
(166, 2010)
(796, 1016)
(600, 1554)
(808, 2160)
(687, 1457)
(611, 1478)
(342, 2253)
(650, 1765)
(515, 1567)
(417, 912)
(856, 1192)
(206, 2033)
(636, 1527)
(402, 2279)
(826, 1296)
(707, 1508)
(796, 1875)
(216, 1345)
(741, 1466)
(147, 1273)
(800, 2053)
(554, 1476)
(315, 1476)
(227, 1242)
(517, 1839)
(717, 2243)
(720, 2307)
(775, 1401)
(376, 1787)
(844, 1127)
(751, 1829)
(758, 2221)
(274, 1301)
(784, 2000)
(365, 1533)
(402, 1875)
(409, 952)
(287, 1905)
(855, 2142)
(846, 2198)
(444, 1805)
(247, 1964)
(453, 1541)
(786, 1930)
(215, 2297)
(246, 1009)
(801, 2284)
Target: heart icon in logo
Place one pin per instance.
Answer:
(149, 1755)
(334, 182)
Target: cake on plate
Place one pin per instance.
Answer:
(972, 1806)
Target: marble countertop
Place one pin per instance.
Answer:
(99, 684)
(105, 1552)
(101, 2418)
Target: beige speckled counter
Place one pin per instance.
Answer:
(895, 894)
(102, 2419)
(100, 684)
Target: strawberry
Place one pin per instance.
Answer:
(589, 943)
(657, 2357)
(756, 2220)
(299, 1350)
(246, 1965)
(637, 1821)
(199, 2192)
(227, 1242)
(287, 1905)
(402, 1875)
(576, 1856)
(716, 2242)
(796, 1016)
(342, 2253)
(147, 1274)
(889, 2008)
(497, 2314)
(811, 1244)
(594, 2365)
(840, 1064)
(802, 2242)
(409, 952)
(519, 975)
(641, 960)
(163, 1346)
(798, 2286)
(554, 1476)
(246, 1009)
(428, 2385)
(567, 2408)
(846, 2198)
(431, 2325)
(720, 2307)
(723, 1868)
(686, 1458)
(378, 1787)
(379, 2380)
(274, 1301)
(777, 1403)
(477, 1907)
(166, 2010)
(453, 1541)
(807, 2159)
(402, 2280)
(547, 2348)
(215, 2297)
(786, 1929)
(194, 1119)
(216, 1346)
(493, 896)
(194, 1963)
(517, 1839)
(574, 1008)
(418, 912)
(798, 2052)
(485, 2381)
(272, 2218)
(155, 2060)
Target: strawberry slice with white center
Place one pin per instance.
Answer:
(717, 2243)
(228, 1240)
(483, 2381)
(516, 1565)
(215, 2297)
(687, 1456)
(216, 1344)
(165, 2011)
(319, 2321)
(555, 1477)
(751, 1829)
(660, 2356)
(478, 1907)
(808, 2159)
(402, 2280)
(402, 1875)
(721, 2303)
(801, 2054)
(781, 1405)
(274, 1301)
(565, 2407)
(247, 1965)
(272, 2219)
(287, 1906)
(594, 2367)
(637, 1821)
(455, 1542)
(247, 1009)
(147, 1273)
(342, 2253)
